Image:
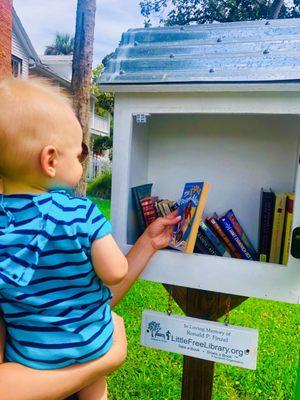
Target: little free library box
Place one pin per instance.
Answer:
(217, 103)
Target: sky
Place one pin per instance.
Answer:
(42, 19)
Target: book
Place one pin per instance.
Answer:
(203, 240)
(190, 209)
(149, 210)
(213, 222)
(287, 230)
(241, 233)
(138, 193)
(156, 205)
(267, 204)
(234, 238)
(163, 207)
(277, 229)
(214, 240)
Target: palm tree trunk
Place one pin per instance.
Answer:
(82, 70)
(275, 9)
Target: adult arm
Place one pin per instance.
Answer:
(21, 383)
(157, 236)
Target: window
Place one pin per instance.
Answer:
(16, 66)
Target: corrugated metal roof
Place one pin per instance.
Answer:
(254, 51)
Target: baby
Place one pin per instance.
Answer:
(57, 255)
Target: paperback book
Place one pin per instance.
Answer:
(190, 209)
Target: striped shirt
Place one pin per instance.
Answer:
(55, 307)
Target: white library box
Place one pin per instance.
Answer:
(240, 137)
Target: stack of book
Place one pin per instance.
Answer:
(221, 235)
(148, 207)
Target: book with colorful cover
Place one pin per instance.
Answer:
(190, 209)
(213, 222)
(277, 230)
(207, 231)
(241, 233)
(139, 193)
(287, 230)
(235, 239)
(267, 205)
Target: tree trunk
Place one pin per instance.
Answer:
(275, 9)
(82, 71)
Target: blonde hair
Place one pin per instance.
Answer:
(33, 113)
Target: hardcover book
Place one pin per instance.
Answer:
(139, 193)
(203, 240)
(287, 231)
(190, 209)
(241, 233)
(218, 246)
(213, 222)
(277, 230)
(233, 236)
(267, 204)
(149, 210)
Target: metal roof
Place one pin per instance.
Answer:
(252, 51)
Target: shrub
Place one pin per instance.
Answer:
(100, 186)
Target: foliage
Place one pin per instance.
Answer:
(104, 101)
(101, 186)
(182, 12)
(101, 143)
(63, 45)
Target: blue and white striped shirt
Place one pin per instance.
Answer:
(55, 307)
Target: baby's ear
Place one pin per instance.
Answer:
(48, 161)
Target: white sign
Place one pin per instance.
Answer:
(199, 338)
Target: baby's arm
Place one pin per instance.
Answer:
(109, 262)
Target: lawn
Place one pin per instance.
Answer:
(155, 375)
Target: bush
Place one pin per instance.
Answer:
(100, 186)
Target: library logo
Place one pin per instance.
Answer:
(156, 332)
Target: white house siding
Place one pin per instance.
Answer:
(18, 51)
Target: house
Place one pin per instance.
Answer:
(26, 62)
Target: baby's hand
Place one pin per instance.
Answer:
(159, 233)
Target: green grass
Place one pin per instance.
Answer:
(104, 205)
(155, 375)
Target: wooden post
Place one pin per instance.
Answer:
(198, 375)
